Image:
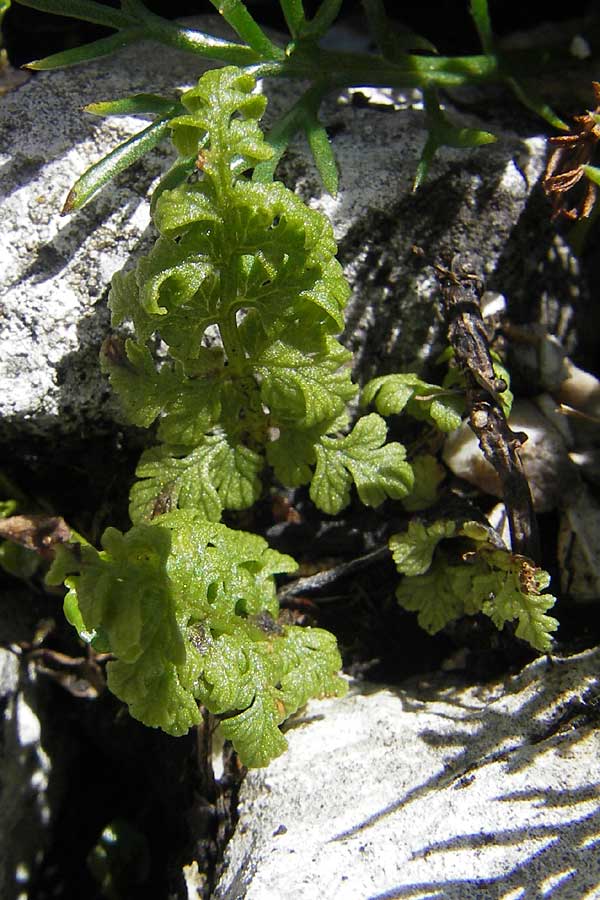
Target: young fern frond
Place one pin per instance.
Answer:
(188, 608)
(254, 261)
(441, 585)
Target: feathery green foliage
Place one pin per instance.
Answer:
(188, 608)
(232, 354)
(442, 584)
(253, 261)
(186, 605)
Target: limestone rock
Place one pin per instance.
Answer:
(430, 790)
(26, 770)
(56, 271)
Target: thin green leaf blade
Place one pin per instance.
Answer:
(177, 174)
(481, 17)
(137, 104)
(236, 14)
(323, 19)
(593, 173)
(279, 138)
(115, 162)
(87, 52)
(190, 40)
(302, 116)
(536, 104)
(323, 156)
(392, 41)
(444, 133)
(293, 13)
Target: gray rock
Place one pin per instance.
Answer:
(56, 271)
(430, 790)
(36, 749)
(25, 772)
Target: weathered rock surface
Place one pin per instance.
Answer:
(31, 776)
(56, 271)
(431, 790)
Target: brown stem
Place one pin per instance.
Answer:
(499, 444)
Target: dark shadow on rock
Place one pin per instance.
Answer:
(564, 868)
(393, 322)
(540, 277)
(513, 737)
(91, 766)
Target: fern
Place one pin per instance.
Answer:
(186, 605)
(441, 585)
(188, 608)
(255, 262)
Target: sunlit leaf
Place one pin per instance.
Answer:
(88, 52)
(115, 162)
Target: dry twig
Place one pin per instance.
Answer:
(500, 445)
(564, 169)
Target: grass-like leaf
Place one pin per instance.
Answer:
(392, 42)
(279, 138)
(176, 175)
(481, 17)
(535, 103)
(593, 173)
(88, 52)
(115, 162)
(236, 14)
(323, 19)
(302, 116)
(323, 155)
(293, 13)
(443, 133)
(138, 104)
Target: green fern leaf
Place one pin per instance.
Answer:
(214, 476)
(413, 549)
(304, 385)
(397, 393)
(378, 470)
